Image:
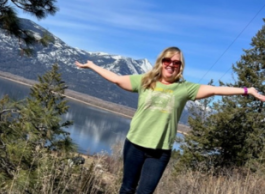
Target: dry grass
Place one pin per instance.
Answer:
(237, 181)
(234, 182)
(102, 173)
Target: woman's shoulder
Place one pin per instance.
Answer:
(188, 84)
(136, 76)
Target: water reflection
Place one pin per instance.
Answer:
(95, 130)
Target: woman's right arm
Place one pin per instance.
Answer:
(122, 81)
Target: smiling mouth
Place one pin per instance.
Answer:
(170, 69)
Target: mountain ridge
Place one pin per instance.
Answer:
(81, 80)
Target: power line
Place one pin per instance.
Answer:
(225, 73)
(232, 44)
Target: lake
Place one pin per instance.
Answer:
(94, 130)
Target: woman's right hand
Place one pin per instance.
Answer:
(122, 81)
(88, 64)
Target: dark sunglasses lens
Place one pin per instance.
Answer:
(167, 61)
(176, 63)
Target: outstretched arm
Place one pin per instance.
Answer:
(207, 91)
(122, 81)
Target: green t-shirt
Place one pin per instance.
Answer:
(154, 124)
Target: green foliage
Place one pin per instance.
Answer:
(9, 21)
(47, 104)
(232, 134)
(33, 128)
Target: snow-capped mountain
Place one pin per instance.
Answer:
(84, 80)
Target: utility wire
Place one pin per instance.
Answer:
(232, 44)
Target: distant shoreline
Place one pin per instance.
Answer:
(77, 96)
(88, 100)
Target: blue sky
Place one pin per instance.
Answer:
(211, 34)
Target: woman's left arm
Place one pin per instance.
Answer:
(207, 91)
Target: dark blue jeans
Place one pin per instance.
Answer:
(142, 169)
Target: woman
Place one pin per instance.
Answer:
(162, 96)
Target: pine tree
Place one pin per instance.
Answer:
(234, 134)
(33, 128)
(44, 111)
(9, 20)
(8, 135)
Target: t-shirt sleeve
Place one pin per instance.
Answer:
(136, 82)
(192, 90)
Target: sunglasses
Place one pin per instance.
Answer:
(168, 61)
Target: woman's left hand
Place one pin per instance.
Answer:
(252, 91)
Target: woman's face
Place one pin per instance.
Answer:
(170, 68)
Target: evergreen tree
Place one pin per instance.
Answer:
(9, 20)
(44, 111)
(233, 135)
(33, 128)
(8, 135)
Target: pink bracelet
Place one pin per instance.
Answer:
(245, 91)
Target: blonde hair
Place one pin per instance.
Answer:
(149, 80)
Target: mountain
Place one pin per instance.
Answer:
(81, 80)
(84, 81)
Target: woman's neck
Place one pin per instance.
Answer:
(166, 82)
